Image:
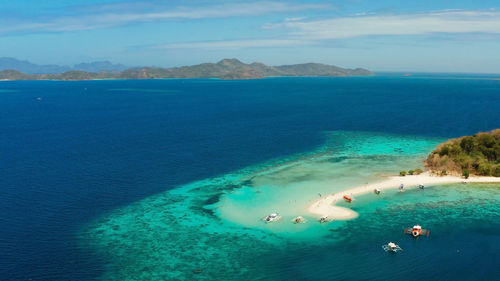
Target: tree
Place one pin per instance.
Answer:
(418, 171)
(467, 144)
(443, 173)
(411, 172)
(484, 169)
(402, 173)
(487, 140)
(465, 173)
(496, 171)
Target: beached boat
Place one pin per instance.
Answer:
(376, 190)
(299, 219)
(416, 231)
(391, 247)
(347, 198)
(324, 219)
(272, 217)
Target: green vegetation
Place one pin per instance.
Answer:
(411, 172)
(465, 173)
(402, 173)
(418, 171)
(478, 154)
(224, 69)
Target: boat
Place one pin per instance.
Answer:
(401, 187)
(347, 198)
(299, 219)
(376, 190)
(417, 231)
(421, 186)
(272, 217)
(324, 219)
(391, 247)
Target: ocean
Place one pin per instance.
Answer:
(168, 179)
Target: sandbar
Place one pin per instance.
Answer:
(325, 205)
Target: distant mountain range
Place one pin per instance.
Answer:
(224, 69)
(31, 68)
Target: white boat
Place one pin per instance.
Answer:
(377, 191)
(421, 186)
(391, 247)
(401, 187)
(272, 217)
(325, 219)
(299, 219)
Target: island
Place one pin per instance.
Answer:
(478, 155)
(227, 69)
(450, 162)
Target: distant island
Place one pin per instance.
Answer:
(7, 63)
(478, 154)
(224, 69)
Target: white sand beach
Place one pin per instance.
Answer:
(325, 206)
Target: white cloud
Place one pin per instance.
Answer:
(299, 32)
(109, 19)
(408, 24)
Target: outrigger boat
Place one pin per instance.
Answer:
(376, 190)
(347, 198)
(299, 219)
(324, 219)
(391, 247)
(272, 217)
(416, 231)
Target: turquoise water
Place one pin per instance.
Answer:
(211, 229)
(152, 179)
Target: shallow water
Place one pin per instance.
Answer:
(211, 229)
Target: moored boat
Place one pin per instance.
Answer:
(324, 219)
(416, 231)
(299, 219)
(391, 247)
(348, 198)
(272, 217)
(376, 190)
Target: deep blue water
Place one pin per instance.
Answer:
(86, 148)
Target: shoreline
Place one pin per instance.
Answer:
(326, 205)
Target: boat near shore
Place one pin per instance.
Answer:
(299, 219)
(274, 217)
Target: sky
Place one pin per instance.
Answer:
(380, 35)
